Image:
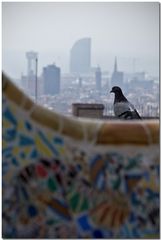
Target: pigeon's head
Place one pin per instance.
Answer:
(116, 90)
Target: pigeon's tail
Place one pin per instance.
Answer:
(135, 113)
(137, 116)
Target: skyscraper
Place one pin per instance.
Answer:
(98, 78)
(117, 76)
(80, 56)
(51, 78)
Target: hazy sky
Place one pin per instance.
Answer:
(127, 30)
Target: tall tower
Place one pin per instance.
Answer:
(80, 57)
(31, 72)
(117, 76)
(31, 59)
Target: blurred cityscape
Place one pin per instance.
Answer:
(88, 84)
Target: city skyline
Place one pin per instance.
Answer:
(129, 31)
(59, 92)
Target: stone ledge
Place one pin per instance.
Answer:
(91, 110)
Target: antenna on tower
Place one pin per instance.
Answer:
(36, 66)
(115, 65)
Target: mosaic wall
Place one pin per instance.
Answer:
(57, 187)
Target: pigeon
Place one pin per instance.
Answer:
(122, 107)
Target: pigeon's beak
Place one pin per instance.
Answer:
(111, 91)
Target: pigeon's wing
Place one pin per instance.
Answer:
(125, 110)
(121, 109)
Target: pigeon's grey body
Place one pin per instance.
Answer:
(122, 107)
